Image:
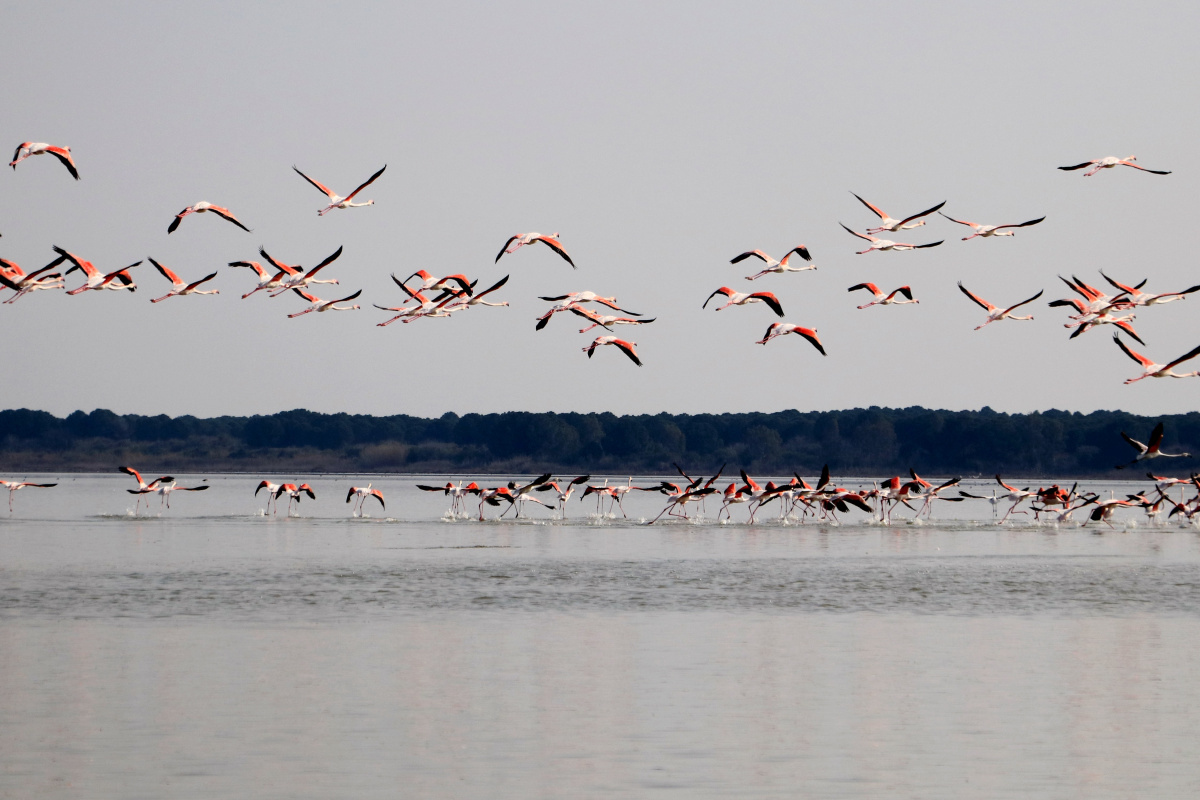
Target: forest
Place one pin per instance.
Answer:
(862, 442)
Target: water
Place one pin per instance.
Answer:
(212, 651)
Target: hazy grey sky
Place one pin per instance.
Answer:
(659, 139)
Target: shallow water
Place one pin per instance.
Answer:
(211, 650)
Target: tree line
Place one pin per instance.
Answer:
(862, 441)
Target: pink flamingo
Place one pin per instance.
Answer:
(887, 244)
(778, 267)
(319, 305)
(996, 314)
(200, 208)
(884, 300)
(886, 223)
(784, 328)
(742, 298)
(522, 239)
(178, 287)
(991, 230)
(1109, 162)
(626, 347)
(335, 200)
(63, 154)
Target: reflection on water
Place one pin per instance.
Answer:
(207, 655)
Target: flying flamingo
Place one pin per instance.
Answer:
(887, 244)
(626, 347)
(890, 225)
(266, 281)
(143, 487)
(997, 314)
(118, 280)
(164, 491)
(590, 297)
(477, 299)
(457, 494)
(991, 230)
(319, 305)
(441, 284)
(363, 492)
(604, 320)
(884, 300)
(200, 208)
(779, 267)
(563, 494)
(742, 298)
(13, 277)
(1110, 162)
(1137, 297)
(522, 239)
(783, 328)
(1150, 449)
(335, 201)
(15, 486)
(178, 287)
(27, 149)
(1153, 370)
(297, 281)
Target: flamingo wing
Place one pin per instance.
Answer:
(984, 304)
(1023, 302)
(771, 300)
(627, 349)
(79, 263)
(557, 247)
(310, 298)
(493, 287)
(870, 287)
(751, 254)
(811, 336)
(205, 279)
(366, 183)
(346, 299)
(725, 291)
(277, 265)
(1126, 163)
(875, 209)
(224, 213)
(332, 194)
(8, 284)
(1119, 286)
(504, 249)
(178, 219)
(856, 233)
(904, 290)
(325, 263)
(926, 213)
(931, 244)
(799, 250)
(1134, 443)
(1021, 224)
(64, 155)
(1079, 166)
(1138, 357)
(1125, 326)
(168, 274)
(1156, 437)
(1185, 357)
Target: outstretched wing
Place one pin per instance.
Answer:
(367, 183)
(984, 304)
(320, 186)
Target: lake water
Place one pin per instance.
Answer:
(210, 650)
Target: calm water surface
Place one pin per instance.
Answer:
(212, 651)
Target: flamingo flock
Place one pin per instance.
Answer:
(442, 296)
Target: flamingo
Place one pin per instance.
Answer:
(363, 492)
(26, 149)
(1111, 161)
(991, 230)
(457, 493)
(441, 284)
(284, 271)
(143, 487)
(319, 305)
(742, 298)
(117, 281)
(589, 297)
(895, 225)
(887, 244)
(336, 201)
(522, 239)
(993, 500)
(783, 328)
(1018, 496)
(1149, 450)
(564, 495)
(1139, 298)
(1154, 370)
(13, 277)
(1104, 318)
(178, 287)
(884, 300)
(424, 306)
(298, 281)
(778, 267)
(293, 492)
(626, 347)
(15, 486)
(271, 489)
(164, 491)
(996, 314)
(604, 320)
(477, 299)
(200, 208)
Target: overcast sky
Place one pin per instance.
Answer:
(659, 139)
